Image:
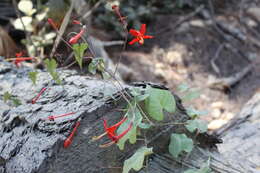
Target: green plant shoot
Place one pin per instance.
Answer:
(79, 50)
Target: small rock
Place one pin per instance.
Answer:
(216, 113)
(159, 65)
(255, 12)
(204, 97)
(251, 23)
(217, 104)
(228, 116)
(252, 56)
(174, 57)
(183, 28)
(159, 73)
(215, 124)
(197, 23)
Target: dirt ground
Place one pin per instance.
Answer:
(183, 54)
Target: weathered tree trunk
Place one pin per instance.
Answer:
(239, 153)
(30, 144)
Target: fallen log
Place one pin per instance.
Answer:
(30, 142)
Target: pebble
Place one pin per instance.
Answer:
(218, 104)
(215, 124)
(216, 113)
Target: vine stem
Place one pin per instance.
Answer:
(124, 48)
(165, 124)
(128, 101)
(65, 41)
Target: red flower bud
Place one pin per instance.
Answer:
(52, 23)
(75, 39)
(76, 22)
(114, 7)
(69, 139)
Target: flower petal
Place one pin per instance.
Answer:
(134, 32)
(148, 36)
(143, 29)
(75, 39)
(52, 23)
(133, 41)
(124, 132)
(119, 123)
(77, 22)
(19, 54)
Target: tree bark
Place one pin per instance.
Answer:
(29, 143)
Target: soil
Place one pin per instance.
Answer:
(183, 55)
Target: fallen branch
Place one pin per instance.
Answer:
(181, 20)
(228, 82)
(212, 61)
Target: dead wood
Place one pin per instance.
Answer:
(28, 143)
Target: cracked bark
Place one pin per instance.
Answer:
(29, 144)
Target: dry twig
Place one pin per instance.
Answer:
(62, 29)
(212, 61)
(182, 20)
(227, 82)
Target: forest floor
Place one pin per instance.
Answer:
(183, 54)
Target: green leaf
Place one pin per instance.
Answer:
(196, 124)
(137, 159)
(144, 125)
(138, 95)
(191, 95)
(7, 96)
(96, 64)
(135, 91)
(158, 101)
(33, 76)
(51, 66)
(180, 143)
(141, 97)
(183, 87)
(16, 101)
(105, 75)
(79, 50)
(193, 113)
(131, 135)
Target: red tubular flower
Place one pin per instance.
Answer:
(69, 139)
(111, 132)
(140, 35)
(19, 54)
(52, 23)
(75, 39)
(17, 61)
(38, 96)
(53, 117)
(76, 22)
